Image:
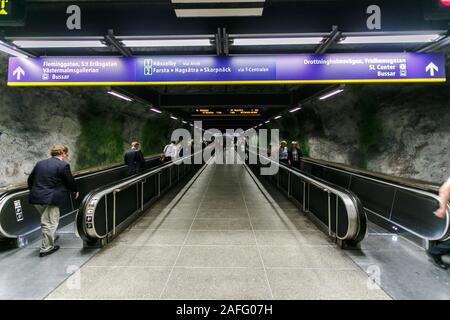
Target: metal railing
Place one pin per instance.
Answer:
(107, 211)
(337, 210)
(401, 207)
(19, 219)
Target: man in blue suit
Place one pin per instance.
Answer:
(134, 159)
(50, 185)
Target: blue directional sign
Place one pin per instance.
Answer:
(270, 69)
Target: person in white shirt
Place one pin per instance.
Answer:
(441, 248)
(170, 151)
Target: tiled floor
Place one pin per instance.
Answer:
(223, 239)
(403, 269)
(23, 275)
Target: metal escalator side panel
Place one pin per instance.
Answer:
(113, 207)
(363, 229)
(341, 201)
(336, 208)
(318, 204)
(338, 178)
(12, 226)
(94, 219)
(411, 212)
(408, 208)
(375, 197)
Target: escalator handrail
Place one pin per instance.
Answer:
(353, 217)
(129, 182)
(77, 175)
(7, 195)
(444, 235)
(407, 182)
(92, 199)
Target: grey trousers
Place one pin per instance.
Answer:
(49, 224)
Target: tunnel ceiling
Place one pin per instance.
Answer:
(123, 19)
(182, 100)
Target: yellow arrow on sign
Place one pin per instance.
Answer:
(2, 7)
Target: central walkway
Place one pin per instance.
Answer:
(223, 237)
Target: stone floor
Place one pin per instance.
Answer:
(226, 237)
(23, 275)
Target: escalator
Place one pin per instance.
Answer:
(20, 221)
(334, 209)
(396, 204)
(108, 210)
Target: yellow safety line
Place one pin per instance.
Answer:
(58, 84)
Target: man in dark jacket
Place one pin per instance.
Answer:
(50, 185)
(134, 159)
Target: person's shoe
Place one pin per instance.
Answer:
(43, 254)
(437, 261)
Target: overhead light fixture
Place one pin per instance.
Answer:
(138, 43)
(191, 124)
(214, 1)
(59, 43)
(276, 41)
(218, 12)
(156, 110)
(6, 48)
(174, 118)
(277, 117)
(330, 94)
(185, 122)
(378, 39)
(260, 125)
(119, 95)
(295, 109)
(268, 121)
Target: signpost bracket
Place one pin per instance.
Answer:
(225, 42)
(334, 36)
(113, 42)
(439, 45)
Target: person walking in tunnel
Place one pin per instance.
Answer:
(441, 248)
(50, 184)
(283, 153)
(134, 159)
(180, 148)
(294, 155)
(169, 151)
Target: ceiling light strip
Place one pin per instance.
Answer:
(59, 43)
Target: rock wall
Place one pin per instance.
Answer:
(97, 127)
(401, 130)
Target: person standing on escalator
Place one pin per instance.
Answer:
(180, 148)
(50, 184)
(441, 248)
(134, 159)
(294, 155)
(169, 151)
(283, 152)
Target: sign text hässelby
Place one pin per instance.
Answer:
(270, 69)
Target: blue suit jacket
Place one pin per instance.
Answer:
(135, 161)
(50, 182)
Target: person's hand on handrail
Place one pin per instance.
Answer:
(444, 195)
